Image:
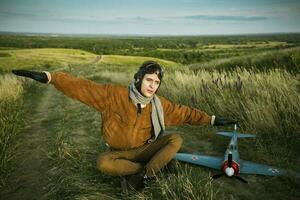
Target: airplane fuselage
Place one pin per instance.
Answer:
(231, 161)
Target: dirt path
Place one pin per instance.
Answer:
(29, 179)
(97, 59)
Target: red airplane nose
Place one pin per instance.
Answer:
(234, 165)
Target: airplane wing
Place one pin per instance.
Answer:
(247, 167)
(239, 135)
(207, 161)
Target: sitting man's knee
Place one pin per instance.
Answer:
(104, 163)
(175, 139)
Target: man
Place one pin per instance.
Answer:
(133, 120)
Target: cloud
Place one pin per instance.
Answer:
(59, 17)
(17, 14)
(225, 18)
(141, 20)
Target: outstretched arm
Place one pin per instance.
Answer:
(180, 114)
(86, 91)
(176, 114)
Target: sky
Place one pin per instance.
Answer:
(150, 17)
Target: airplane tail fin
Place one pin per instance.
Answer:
(239, 135)
(227, 134)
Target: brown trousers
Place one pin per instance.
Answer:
(151, 157)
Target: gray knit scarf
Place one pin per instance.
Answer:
(157, 115)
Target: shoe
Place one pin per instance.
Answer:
(124, 187)
(170, 168)
(137, 181)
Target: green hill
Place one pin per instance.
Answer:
(51, 58)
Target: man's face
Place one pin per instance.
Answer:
(150, 84)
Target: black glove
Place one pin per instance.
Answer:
(222, 121)
(38, 76)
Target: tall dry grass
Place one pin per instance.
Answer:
(11, 90)
(264, 102)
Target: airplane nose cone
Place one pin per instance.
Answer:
(229, 171)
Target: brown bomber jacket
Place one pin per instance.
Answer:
(122, 128)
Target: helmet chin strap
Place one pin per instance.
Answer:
(139, 109)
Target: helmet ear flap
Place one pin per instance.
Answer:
(138, 76)
(137, 80)
(135, 77)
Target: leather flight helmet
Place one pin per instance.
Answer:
(148, 67)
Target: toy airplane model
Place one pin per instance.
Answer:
(231, 165)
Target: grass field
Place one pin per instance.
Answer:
(59, 139)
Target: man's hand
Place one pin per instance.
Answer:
(222, 121)
(38, 76)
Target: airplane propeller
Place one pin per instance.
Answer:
(240, 179)
(229, 159)
(216, 176)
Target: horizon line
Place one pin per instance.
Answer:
(139, 35)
